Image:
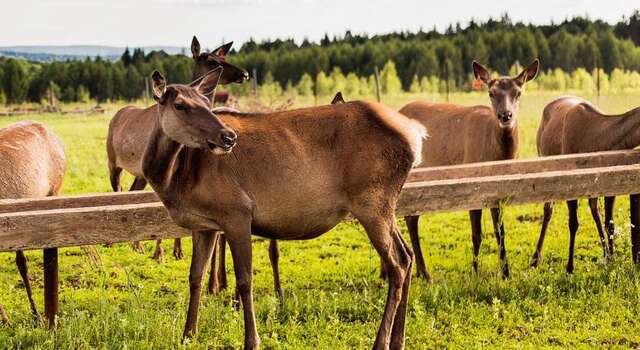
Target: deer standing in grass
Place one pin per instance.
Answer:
(129, 131)
(573, 125)
(218, 277)
(286, 175)
(32, 164)
(460, 134)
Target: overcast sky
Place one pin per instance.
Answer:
(173, 22)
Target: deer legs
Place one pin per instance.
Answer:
(412, 227)
(608, 221)
(573, 229)
(138, 185)
(202, 246)
(546, 218)
(498, 228)
(23, 268)
(595, 213)
(476, 235)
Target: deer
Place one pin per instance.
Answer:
(129, 130)
(218, 277)
(32, 165)
(462, 134)
(289, 175)
(573, 125)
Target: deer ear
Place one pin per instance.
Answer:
(480, 73)
(223, 50)
(209, 82)
(337, 99)
(158, 85)
(528, 73)
(195, 47)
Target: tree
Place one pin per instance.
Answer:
(389, 79)
(16, 80)
(305, 85)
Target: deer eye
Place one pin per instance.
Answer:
(491, 95)
(180, 107)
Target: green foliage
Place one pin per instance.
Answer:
(389, 80)
(305, 85)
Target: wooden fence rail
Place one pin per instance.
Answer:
(50, 223)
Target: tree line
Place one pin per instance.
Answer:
(422, 58)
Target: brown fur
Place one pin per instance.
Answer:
(460, 134)
(32, 165)
(291, 175)
(129, 130)
(573, 125)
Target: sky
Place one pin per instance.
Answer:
(173, 22)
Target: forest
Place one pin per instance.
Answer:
(571, 52)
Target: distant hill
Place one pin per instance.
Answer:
(76, 52)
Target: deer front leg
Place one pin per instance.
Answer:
(476, 235)
(546, 218)
(158, 254)
(274, 257)
(239, 238)
(177, 249)
(498, 228)
(202, 247)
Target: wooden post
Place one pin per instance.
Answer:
(634, 213)
(598, 76)
(146, 90)
(376, 71)
(52, 98)
(254, 83)
(446, 77)
(51, 286)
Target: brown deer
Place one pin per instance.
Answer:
(129, 131)
(460, 134)
(286, 175)
(573, 125)
(218, 277)
(32, 165)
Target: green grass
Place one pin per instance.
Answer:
(333, 296)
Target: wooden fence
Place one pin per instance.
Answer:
(54, 222)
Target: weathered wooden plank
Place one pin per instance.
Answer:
(85, 200)
(487, 192)
(525, 166)
(86, 226)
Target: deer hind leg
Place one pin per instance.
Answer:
(634, 213)
(421, 267)
(239, 238)
(139, 183)
(23, 267)
(216, 276)
(595, 213)
(498, 228)
(397, 259)
(546, 218)
(178, 254)
(398, 331)
(114, 177)
(573, 229)
(476, 235)
(202, 247)
(274, 257)
(609, 227)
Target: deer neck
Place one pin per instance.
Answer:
(162, 158)
(507, 141)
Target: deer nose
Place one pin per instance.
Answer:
(228, 137)
(505, 116)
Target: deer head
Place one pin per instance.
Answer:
(505, 92)
(185, 116)
(207, 61)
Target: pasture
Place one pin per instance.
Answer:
(333, 296)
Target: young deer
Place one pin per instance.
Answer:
(218, 277)
(460, 134)
(129, 131)
(32, 165)
(286, 175)
(573, 125)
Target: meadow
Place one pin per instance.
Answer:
(333, 298)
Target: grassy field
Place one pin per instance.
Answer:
(333, 296)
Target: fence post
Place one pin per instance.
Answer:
(376, 71)
(52, 98)
(254, 83)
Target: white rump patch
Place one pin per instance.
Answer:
(415, 135)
